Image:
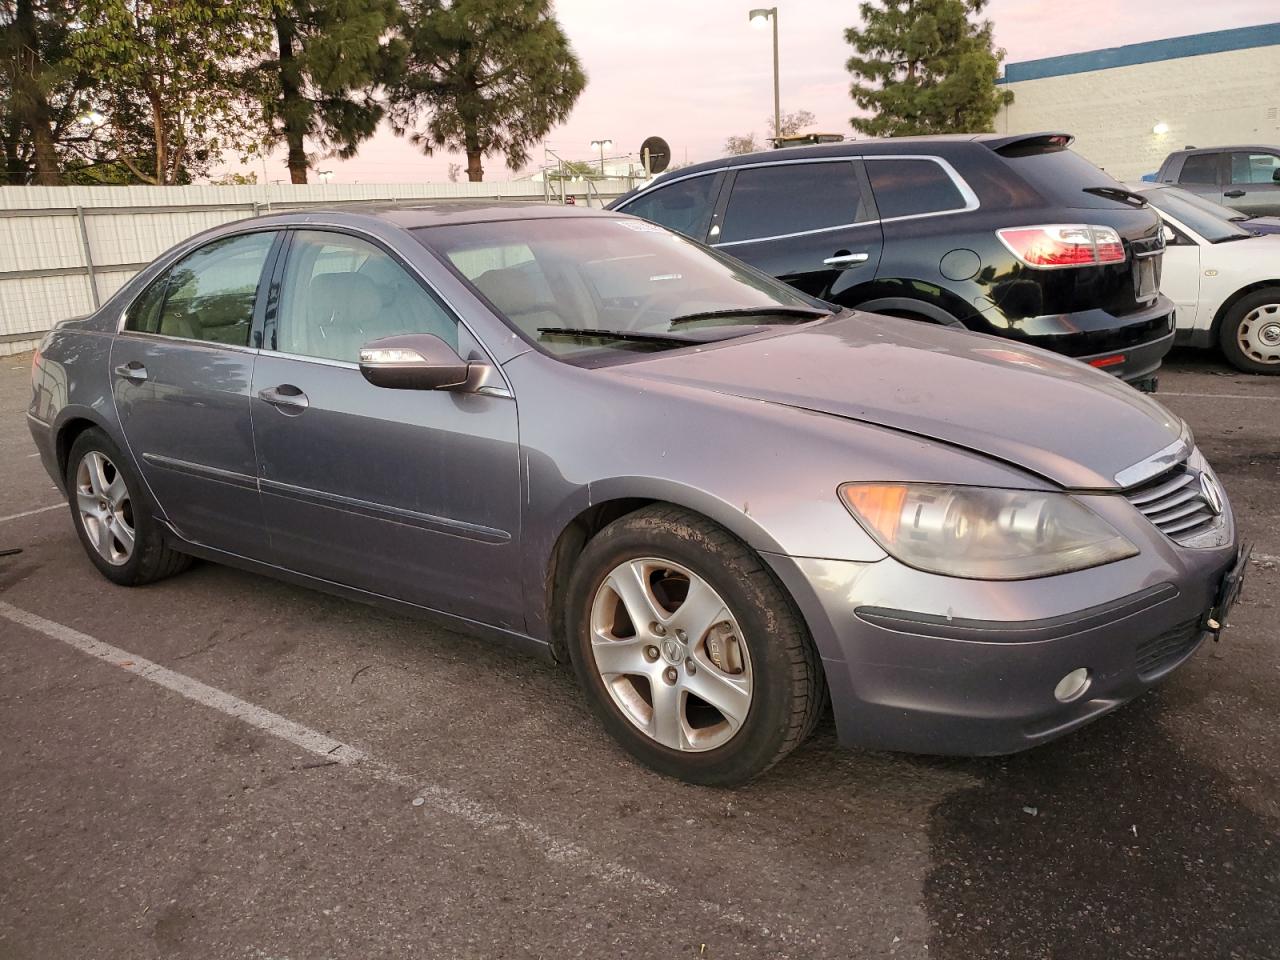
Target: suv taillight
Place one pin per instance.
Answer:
(1063, 245)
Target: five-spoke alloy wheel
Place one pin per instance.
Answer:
(106, 510)
(113, 521)
(671, 654)
(691, 653)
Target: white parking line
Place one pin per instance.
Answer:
(1215, 396)
(481, 816)
(32, 513)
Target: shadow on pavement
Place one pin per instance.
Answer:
(1200, 878)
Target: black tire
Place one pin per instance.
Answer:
(1243, 312)
(152, 558)
(789, 693)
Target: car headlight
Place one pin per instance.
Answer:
(982, 533)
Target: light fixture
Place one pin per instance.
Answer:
(602, 146)
(761, 17)
(1160, 129)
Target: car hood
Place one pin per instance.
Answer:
(1054, 417)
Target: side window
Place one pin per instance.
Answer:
(340, 292)
(208, 295)
(907, 188)
(1199, 168)
(792, 198)
(684, 207)
(1255, 168)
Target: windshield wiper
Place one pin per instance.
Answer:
(593, 333)
(1118, 193)
(797, 312)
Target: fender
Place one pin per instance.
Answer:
(906, 305)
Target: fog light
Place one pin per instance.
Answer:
(1072, 685)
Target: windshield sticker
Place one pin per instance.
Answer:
(667, 276)
(640, 226)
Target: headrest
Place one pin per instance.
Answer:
(343, 297)
(508, 288)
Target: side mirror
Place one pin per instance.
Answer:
(1169, 236)
(419, 361)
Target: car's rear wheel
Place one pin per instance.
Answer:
(1250, 332)
(114, 523)
(689, 650)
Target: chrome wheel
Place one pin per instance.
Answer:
(671, 654)
(106, 512)
(1258, 334)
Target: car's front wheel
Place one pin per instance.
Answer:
(1250, 332)
(689, 650)
(114, 523)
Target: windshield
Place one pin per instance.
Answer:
(586, 287)
(1214, 225)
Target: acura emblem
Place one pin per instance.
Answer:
(1212, 493)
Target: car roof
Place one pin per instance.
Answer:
(1269, 147)
(412, 214)
(924, 145)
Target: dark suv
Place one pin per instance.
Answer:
(1010, 235)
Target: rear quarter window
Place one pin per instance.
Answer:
(1199, 168)
(909, 188)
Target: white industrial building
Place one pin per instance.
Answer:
(1129, 106)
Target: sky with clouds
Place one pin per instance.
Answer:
(695, 71)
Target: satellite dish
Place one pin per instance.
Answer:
(655, 154)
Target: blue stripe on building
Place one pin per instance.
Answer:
(1175, 48)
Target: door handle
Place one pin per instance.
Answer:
(286, 398)
(1233, 193)
(841, 260)
(132, 370)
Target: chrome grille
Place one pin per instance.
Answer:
(1174, 503)
(1159, 653)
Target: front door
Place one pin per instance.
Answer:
(413, 494)
(808, 224)
(182, 369)
(1254, 185)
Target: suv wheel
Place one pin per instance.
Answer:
(115, 525)
(688, 649)
(1250, 332)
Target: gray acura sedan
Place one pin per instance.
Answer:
(725, 503)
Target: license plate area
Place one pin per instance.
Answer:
(1146, 278)
(1228, 592)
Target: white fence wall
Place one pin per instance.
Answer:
(65, 250)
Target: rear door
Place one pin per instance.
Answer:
(182, 368)
(1253, 187)
(804, 222)
(412, 494)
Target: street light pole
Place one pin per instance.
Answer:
(602, 145)
(758, 18)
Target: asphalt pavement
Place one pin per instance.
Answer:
(221, 765)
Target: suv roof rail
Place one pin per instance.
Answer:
(1027, 144)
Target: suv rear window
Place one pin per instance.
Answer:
(1061, 176)
(1199, 168)
(684, 207)
(791, 198)
(908, 188)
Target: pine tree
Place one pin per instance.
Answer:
(318, 80)
(491, 76)
(923, 67)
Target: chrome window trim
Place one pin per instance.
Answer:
(337, 228)
(970, 198)
(666, 183)
(167, 338)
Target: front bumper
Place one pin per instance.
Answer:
(927, 664)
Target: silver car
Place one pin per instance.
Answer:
(725, 503)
